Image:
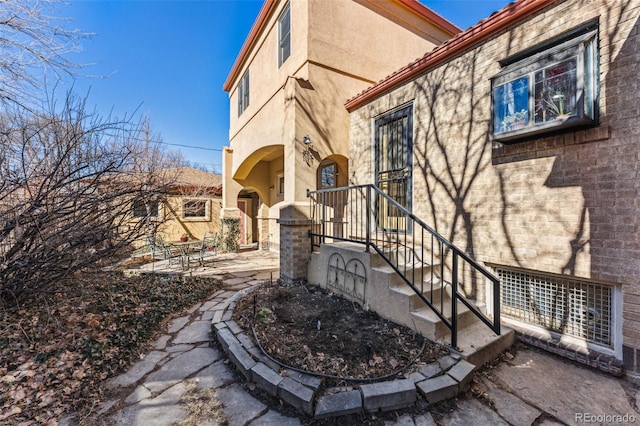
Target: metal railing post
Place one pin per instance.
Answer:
(324, 214)
(454, 300)
(496, 305)
(368, 220)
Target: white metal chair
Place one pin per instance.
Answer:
(208, 246)
(169, 251)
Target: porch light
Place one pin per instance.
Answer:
(307, 154)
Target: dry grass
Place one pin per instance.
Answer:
(202, 406)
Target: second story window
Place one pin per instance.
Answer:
(243, 93)
(284, 35)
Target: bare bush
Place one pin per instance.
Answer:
(34, 43)
(69, 180)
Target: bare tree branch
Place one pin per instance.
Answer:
(69, 181)
(34, 43)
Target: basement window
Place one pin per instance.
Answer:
(568, 306)
(548, 88)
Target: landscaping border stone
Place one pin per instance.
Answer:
(434, 382)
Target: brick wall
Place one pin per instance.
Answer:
(295, 246)
(567, 204)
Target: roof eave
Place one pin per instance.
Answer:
(484, 29)
(256, 29)
(269, 6)
(436, 19)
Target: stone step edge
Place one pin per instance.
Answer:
(435, 382)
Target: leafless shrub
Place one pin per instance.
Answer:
(68, 183)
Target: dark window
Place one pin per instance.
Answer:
(243, 93)
(552, 89)
(280, 184)
(140, 208)
(284, 35)
(327, 176)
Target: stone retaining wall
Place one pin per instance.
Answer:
(431, 382)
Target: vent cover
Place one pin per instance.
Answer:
(571, 307)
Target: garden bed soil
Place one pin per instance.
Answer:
(306, 327)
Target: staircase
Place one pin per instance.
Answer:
(411, 276)
(386, 293)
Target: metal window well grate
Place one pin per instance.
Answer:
(572, 307)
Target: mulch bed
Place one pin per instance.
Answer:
(309, 328)
(57, 349)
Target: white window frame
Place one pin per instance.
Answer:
(284, 38)
(207, 209)
(519, 107)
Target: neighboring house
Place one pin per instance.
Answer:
(190, 206)
(519, 141)
(289, 129)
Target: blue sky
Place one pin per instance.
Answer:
(169, 59)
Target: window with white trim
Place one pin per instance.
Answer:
(548, 88)
(195, 208)
(243, 93)
(284, 35)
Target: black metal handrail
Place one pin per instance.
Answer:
(417, 253)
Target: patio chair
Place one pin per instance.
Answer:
(169, 251)
(208, 246)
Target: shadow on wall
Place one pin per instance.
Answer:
(453, 158)
(452, 149)
(606, 170)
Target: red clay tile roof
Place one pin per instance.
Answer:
(485, 28)
(269, 7)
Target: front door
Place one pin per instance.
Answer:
(393, 153)
(242, 205)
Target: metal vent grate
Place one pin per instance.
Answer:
(572, 307)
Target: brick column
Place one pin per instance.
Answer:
(295, 246)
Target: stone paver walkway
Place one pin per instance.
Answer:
(533, 388)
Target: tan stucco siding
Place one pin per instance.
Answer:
(367, 40)
(266, 78)
(173, 225)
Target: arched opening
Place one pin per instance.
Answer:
(332, 172)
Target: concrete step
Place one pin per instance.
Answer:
(478, 344)
(428, 322)
(414, 272)
(432, 294)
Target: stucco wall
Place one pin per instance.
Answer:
(566, 204)
(266, 78)
(338, 49)
(175, 225)
(368, 39)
